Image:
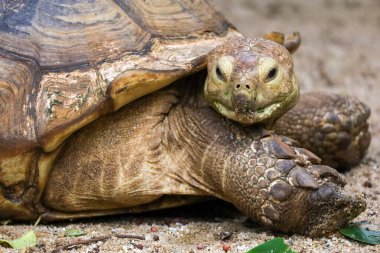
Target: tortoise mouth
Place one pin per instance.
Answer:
(248, 116)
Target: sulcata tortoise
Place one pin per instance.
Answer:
(111, 107)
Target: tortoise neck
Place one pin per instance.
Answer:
(202, 142)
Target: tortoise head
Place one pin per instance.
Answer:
(251, 80)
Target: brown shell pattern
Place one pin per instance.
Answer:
(60, 59)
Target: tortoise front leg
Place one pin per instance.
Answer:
(267, 177)
(332, 126)
(283, 187)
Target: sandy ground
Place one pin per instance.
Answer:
(340, 53)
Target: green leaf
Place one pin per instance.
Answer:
(360, 233)
(276, 245)
(75, 232)
(27, 240)
(260, 110)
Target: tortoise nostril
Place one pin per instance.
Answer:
(238, 86)
(247, 86)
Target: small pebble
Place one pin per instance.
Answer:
(367, 184)
(226, 247)
(153, 229)
(156, 238)
(200, 246)
(139, 246)
(225, 235)
(329, 244)
(372, 213)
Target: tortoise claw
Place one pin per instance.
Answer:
(316, 210)
(326, 172)
(330, 208)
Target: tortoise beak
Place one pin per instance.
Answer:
(242, 100)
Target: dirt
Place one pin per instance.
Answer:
(340, 53)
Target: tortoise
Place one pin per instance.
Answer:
(112, 107)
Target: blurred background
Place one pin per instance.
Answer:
(340, 50)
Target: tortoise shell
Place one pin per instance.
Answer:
(65, 63)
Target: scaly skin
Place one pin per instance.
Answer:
(172, 143)
(292, 193)
(268, 178)
(332, 126)
(189, 149)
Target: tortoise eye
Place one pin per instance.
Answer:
(271, 74)
(220, 74)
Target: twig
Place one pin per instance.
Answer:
(96, 239)
(138, 237)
